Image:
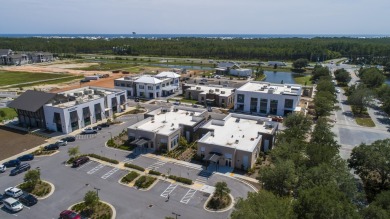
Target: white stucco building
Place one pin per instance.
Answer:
(262, 98)
(75, 109)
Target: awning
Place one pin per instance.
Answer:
(212, 157)
(139, 142)
(169, 88)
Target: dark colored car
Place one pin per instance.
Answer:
(1, 198)
(80, 161)
(104, 125)
(28, 199)
(12, 163)
(67, 214)
(98, 127)
(20, 169)
(69, 139)
(51, 147)
(26, 157)
(84, 80)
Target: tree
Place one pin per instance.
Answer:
(72, 152)
(342, 76)
(361, 97)
(319, 72)
(32, 177)
(263, 204)
(300, 63)
(297, 124)
(323, 104)
(221, 189)
(386, 67)
(379, 208)
(91, 199)
(3, 114)
(290, 149)
(275, 66)
(372, 77)
(280, 179)
(183, 142)
(371, 163)
(324, 202)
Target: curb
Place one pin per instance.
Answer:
(48, 155)
(46, 196)
(222, 210)
(109, 205)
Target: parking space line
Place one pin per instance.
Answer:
(98, 167)
(84, 165)
(187, 197)
(168, 190)
(109, 173)
(156, 165)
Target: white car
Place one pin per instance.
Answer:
(337, 90)
(61, 143)
(12, 204)
(2, 168)
(13, 192)
(89, 131)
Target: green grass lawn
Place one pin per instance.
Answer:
(260, 78)
(367, 122)
(7, 113)
(303, 79)
(58, 81)
(107, 67)
(10, 78)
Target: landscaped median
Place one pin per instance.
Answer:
(221, 200)
(130, 177)
(92, 207)
(34, 185)
(98, 157)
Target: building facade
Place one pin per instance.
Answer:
(232, 68)
(162, 128)
(261, 98)
(236, 140)
(9, 57)
(210, 95)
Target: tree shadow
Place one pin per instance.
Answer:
(348, 114)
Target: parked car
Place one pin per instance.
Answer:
(20, 169)
(68, 214)
(80, 161)
(2, 168)
(61, 143)
(104, 125)
(69, 139)
(12, 163)
(12, 204)
(13, 192)
(51, 147)
(28, 199)
(105, 76)
(89, 131)
(26, 157)
(1, 198)
(98, 127)
(84, 80)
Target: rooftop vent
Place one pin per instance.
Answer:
(222, 92)
(238, 120)
(192, 114)
(232, 136)
(243, 136)
(198, 88)
(252, 139)
(172, 124)
(212, 134)
(237, 141)
(216, 90)
(211, 91)
(261, 122)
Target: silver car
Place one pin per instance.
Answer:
(12, 204)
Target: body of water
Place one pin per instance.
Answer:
(278, 77)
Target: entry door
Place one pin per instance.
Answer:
(266, 145)
(188, 136)
(245, 162)
(228, 163)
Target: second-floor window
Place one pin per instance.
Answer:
(150, 87)
(141, 87)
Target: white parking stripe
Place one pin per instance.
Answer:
(187, 197)
(109, 173)
(156, 165)
(169, 190)
(98, 167)
(84, 165)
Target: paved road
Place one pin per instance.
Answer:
(72, 183)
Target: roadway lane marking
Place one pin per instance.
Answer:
(187, 197)
(156, 165)
(109, 173)
(169, 190)
(84, 165)
(98, 167)
(342, 109)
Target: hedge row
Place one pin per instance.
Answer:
(129, 165)
(153, 172)
(181, 179)
(103, 158)
(130, 177)
(144, 182)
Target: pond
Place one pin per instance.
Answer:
(278, 77)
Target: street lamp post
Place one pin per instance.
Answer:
(39, 170)
(110, 134)
(97, 191)
(176, 215)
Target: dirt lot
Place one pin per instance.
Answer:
(14, 142)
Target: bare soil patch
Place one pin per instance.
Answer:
(14, 142)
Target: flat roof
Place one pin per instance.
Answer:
(264, 87)
(221, 91)
(147, 79)
(242, 132)
(168, 120)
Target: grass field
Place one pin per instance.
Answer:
(108, 67)
(10, 78)
(304, 80)
(58, 81)
(7, 113)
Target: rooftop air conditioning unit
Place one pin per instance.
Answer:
(216, 90)
(192, 114)
(90, 96)
(238, 120)
(198, 88)
(222, 92)
(237, 141)
(211, 91)
(261, 122)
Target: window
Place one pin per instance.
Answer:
(288, 103)
(157, 87)
(141, 86)
(150, 87)
(273, 107)
(123, 85)
(253, 106)
(163, 85)
(240, 98)
(116, 84)
(263, 106)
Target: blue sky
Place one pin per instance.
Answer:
(197, 16)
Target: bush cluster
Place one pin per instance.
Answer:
(144, 182)
(130, 177)
(153, 172)
(133, 166)
(181, 179)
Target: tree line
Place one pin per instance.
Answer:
(367, 51)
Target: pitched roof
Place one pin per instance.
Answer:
(5, 51)
(31, 100)
(227, 64)
(167, 74)
(148, 80)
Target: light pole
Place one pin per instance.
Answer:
(97, 191)
(39, 170)
(176, 215)
(110, 134)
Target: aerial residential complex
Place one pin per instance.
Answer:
(236, 140)
(261, 98)
(232, 68)
(9, 57)
(68, 111)
(162, 128)
(148, 86)
(211, 95)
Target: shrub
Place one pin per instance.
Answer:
(153, 172)
(130, 177)
(133, 166)
(103, 158)
(181, 179)
(111, 143)
(144, 182)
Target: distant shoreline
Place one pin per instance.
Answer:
(222, 36)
